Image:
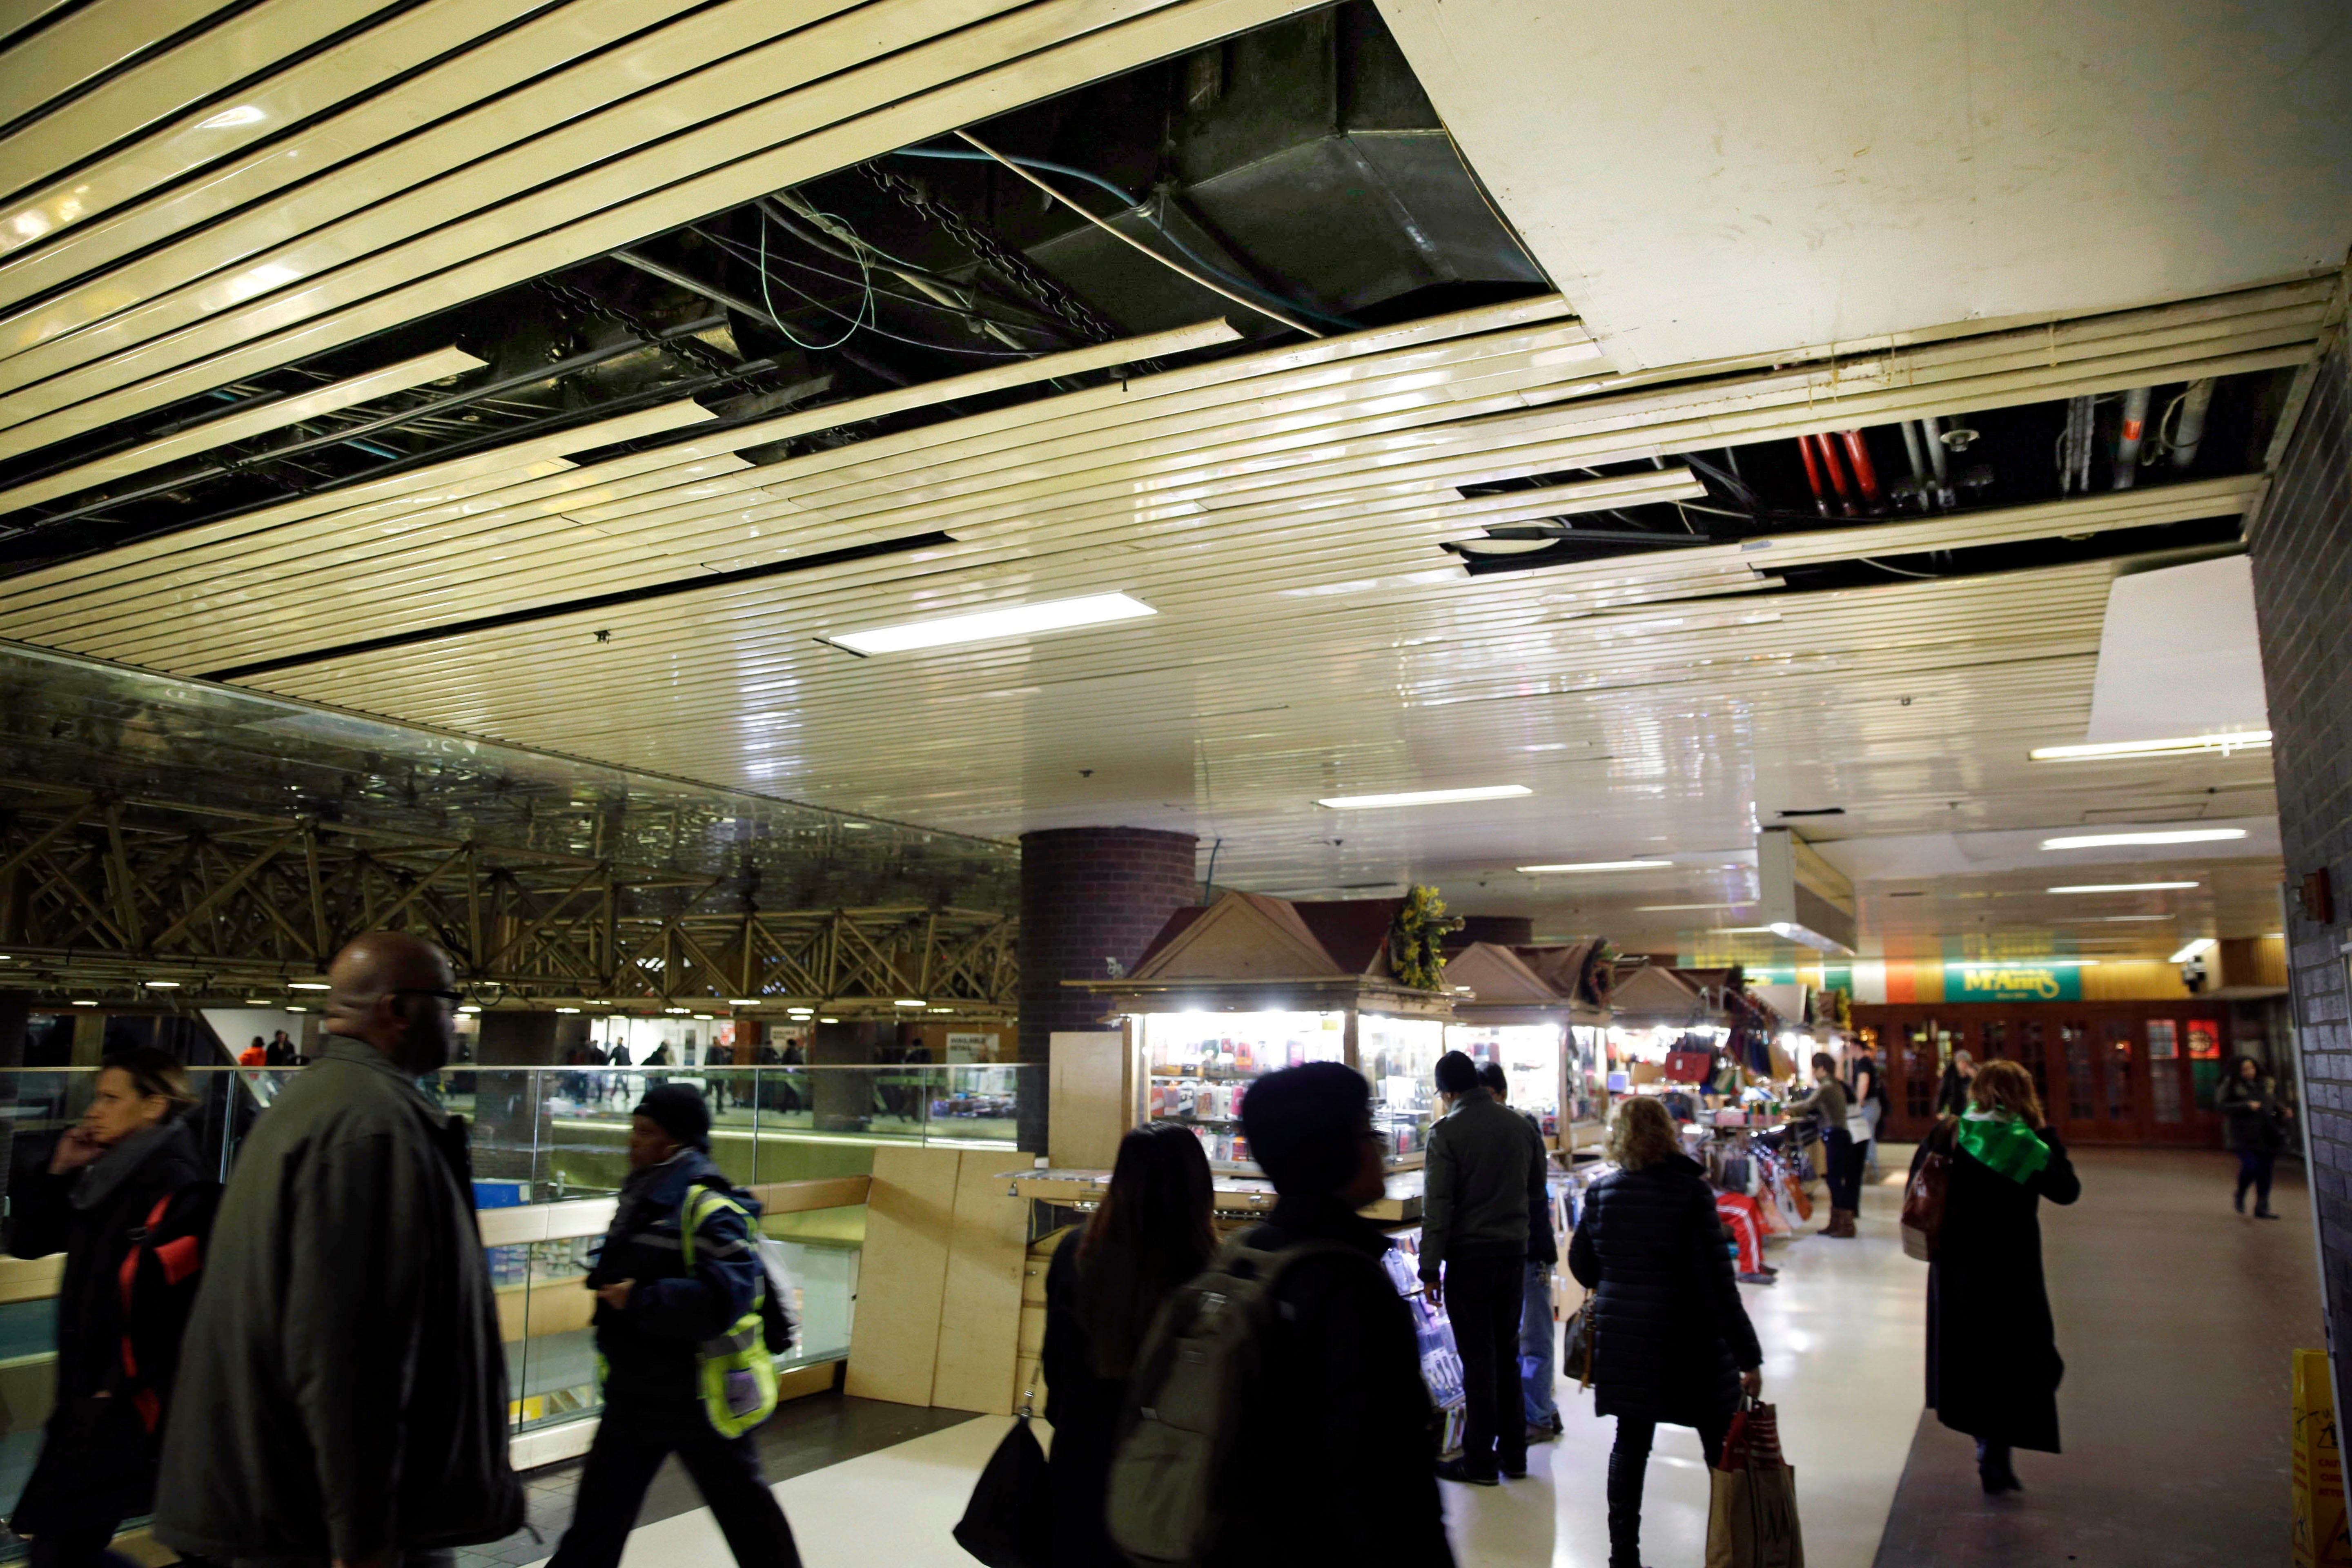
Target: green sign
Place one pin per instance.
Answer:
(2012, 982)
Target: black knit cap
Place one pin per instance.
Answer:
(1306, 1126)
(678, 1110)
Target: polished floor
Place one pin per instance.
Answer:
(2175, 1317)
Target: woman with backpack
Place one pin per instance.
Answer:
(1151, 1233)
(123, 1199)
(1671, 1339)
(1992, 1352)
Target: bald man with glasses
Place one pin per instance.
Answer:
(343, 1394)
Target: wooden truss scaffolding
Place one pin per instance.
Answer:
(110, 895)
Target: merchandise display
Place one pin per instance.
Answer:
(1441, 1361)
(1198, 1066)
(1531, 1010)
(1398, 1057)
(1529, 1055)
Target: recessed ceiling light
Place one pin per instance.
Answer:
(2163, 836)
(1618, 866)
(987, 626)
(2118, 887)
(2192, 950)
(1679, 909)
(2240, 741)
(1424, 797)
(1548, 746)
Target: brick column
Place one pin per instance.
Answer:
(2301, 548)
(1088, 895)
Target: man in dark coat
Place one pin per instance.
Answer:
(1539, 1331)
(653, 1309)
(124, 1181)
(1338, 1427)
(343, 1391)
(1671, 1337)
(1483, 1178)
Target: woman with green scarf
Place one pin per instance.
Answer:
(1993, 1353)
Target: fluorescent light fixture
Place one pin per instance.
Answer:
(1612, 865)
(2034, 964)
(2202, 945)
(743, 1001)
(160, 985)
(261, 1001)
(681, 1012)
(469, 1008)
(79, 1003)
(1424, 797)
(2118, 887)
(988, 625)
(2164, 836)
(308, 985)
(567, 1009)
(702, 1017)
(1684, 909)
(856, 827)
(2180, 746)
(828, 1020)
(800, 1012)
(942, 1009)
(911, 1002)
(297, 1009)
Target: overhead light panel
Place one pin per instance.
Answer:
(308, 985)
(1680, 908)
(989, 625)
(567, 1009)
(2164, 836)
(911, 1002)
(2120, 886)
(80, 1001)
(2179, 745)
(160, 985)
(1424, 797)
(2197, 949)
(743, 1001)
(1614, 866)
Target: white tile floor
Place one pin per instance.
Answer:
(1842, 1333)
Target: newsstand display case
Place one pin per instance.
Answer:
(1541, 1012)
(1234, 990)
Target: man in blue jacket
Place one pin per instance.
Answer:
(653, 1309)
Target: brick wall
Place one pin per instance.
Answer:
(2302, 549)
(1088, 894)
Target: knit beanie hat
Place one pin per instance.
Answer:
(679, 1111)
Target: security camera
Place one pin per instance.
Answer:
(2192, 975)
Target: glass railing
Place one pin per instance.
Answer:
(550, 1149)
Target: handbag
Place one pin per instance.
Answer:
(1576, 1338)
(1009, 1523)
(1751, 1520)
(1923, 1195)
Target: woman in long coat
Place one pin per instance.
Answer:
(1671, 1339)
(1992, 1352)
(126, 1178)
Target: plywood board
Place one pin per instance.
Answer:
(902, 1276)
(1093, 1098)
(980, 1325)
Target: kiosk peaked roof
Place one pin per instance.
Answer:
(1241, 936)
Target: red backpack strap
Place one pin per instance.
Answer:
(179, 1259)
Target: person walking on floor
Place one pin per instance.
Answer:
(1539, 1334)
(1952, 1089)
(1671, 1341)
(1334, 1460)
(1483, 1175)
(1993, 1366)
(124, 1200)
(2255, 1128)
(1151, 1233)
(342, 1390)
(677, 1267)
(1842, 1166)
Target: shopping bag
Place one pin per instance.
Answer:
(1009, 1523)
(1751, 1519)
(1923, 1195)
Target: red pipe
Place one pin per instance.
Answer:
(1814, 474)
(1865, 475)
(1837, 475)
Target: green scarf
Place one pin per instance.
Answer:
(1999, 1141)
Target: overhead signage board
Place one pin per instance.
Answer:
(2012, 982)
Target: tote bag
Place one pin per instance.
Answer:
(1009, 1523)
(1751, 1519)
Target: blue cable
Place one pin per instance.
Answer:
(1238, 285)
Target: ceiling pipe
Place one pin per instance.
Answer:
(1865, 474)
(1814, 474)
(1828, 449)
(2190, 430)
(1917, 455)
(2128, 439)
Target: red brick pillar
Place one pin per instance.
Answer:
(1088, 895)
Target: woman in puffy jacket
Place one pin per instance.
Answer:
(1671, 1339)
(2255, 1128)
(126, 1178)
